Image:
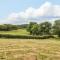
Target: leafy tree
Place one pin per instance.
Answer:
(8, 27)
(35, 29)
(57, 27)
(30, 25)
(39, 30)
(45, 28)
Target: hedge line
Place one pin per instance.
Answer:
(25, 36)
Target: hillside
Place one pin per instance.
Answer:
(16, 32)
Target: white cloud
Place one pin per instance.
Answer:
(45, 11)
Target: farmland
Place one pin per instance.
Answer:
(15, 32)
(29, 30)
(30, 49)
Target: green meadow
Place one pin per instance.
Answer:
(16, 32)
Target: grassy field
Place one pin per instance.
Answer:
(18, 49)
(16, 32)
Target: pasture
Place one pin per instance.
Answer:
(16, 32)
(30, 49)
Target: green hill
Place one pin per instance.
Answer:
(16, 32)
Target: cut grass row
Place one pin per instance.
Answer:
(20, 49)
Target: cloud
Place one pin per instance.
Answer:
(47, 9)
(44, 12)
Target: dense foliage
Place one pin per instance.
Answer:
(42, 29)
(9, 27)
(25, 36)
(39, 29)
(45, 28)
(57, 27)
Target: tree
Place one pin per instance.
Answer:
(8, 27)
(30, 25)
(45, 28)
(41, 29)
(35, 29)
(57, 27)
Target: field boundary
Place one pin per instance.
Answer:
(25, 36)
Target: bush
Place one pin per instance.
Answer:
(24, 36)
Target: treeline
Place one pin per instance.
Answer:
(45, 28)
(9, 27)
(25, 36)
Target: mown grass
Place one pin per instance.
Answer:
(16, 32)
(30, 49)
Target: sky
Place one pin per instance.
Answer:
(24, 11)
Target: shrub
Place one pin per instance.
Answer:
(25, 36)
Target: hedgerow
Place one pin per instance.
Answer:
(25, 36)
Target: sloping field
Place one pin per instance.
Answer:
(18, 49)
(16, 32)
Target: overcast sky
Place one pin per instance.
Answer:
(24, 11)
